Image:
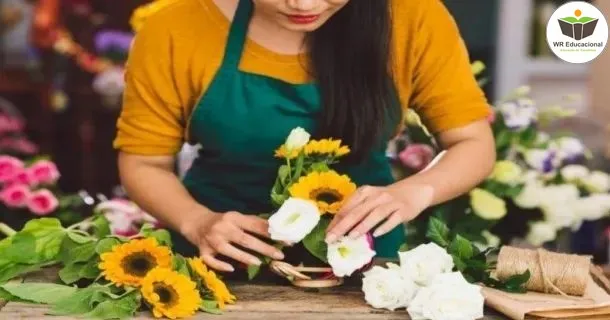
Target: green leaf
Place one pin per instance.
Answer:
(22, 248)
(47, 293)
(163, 237)
(210, 306)
(438, 232)
(517, 281)
(278, 199)
(49, 234)
(72, 251)
(106, 245)
(77, 303)
(122, 308)
(70, 273)
(90, 270)
(180, 265)
(79, 238)
(253, 271)
(283, 174)
(101, 227)
(314, 241)
(298, 169)
(459, 263)
(403, 247)
(319, 167)
(13, 270)
(461, 248)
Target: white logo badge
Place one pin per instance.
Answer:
(577, 32)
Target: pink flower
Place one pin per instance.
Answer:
(42, 202)
(44, 172)
(10, 124)
(22, 177)
(24, 146)
(121, 224)
(15, 196)
(416, 156)
(9, 167)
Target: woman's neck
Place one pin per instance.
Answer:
(266, 32)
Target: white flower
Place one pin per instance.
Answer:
(540, 233)
(569, 148)
(492, 240)
(531, 176)
(110, 83)
(297, 138)
(449, 297)
(388, 288)
(519, 114)
(487, 205)
(593, 207)
(542, 137)
(574, 173)
(294, 220)
(507, 172)
(425, 262)
(347, 255)
(561, 215)
(530, 196)
(597, 182)
(543, 160)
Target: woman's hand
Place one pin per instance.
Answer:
(219, 233)
(371, 206)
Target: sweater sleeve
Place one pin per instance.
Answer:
(151, 121)
(445, 91)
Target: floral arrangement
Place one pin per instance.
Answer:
(307, 193)
(125, 217)
(105, 276)
(540, 184)
(439, 279)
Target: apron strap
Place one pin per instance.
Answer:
(238, 34)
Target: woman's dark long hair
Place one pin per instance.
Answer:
(350, 57)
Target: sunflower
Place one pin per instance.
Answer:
(170, 294)
(219, 289)
(328, 189)
(326, 147)
(129, 263)
(283, 152)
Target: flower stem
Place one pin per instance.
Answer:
(78, 224)
(8, 231)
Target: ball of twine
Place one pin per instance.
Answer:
(557, 273)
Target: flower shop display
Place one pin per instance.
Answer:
(105, 276)
(540, 186)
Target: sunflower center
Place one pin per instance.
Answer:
(167, 295)
(139, 263)
(326, 195)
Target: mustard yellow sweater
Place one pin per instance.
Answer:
(179, 49)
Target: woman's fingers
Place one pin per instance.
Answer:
(247, 241)
(207, 255)
(353, 217)
(253, 224)
(237, 254)
(392, 222)
(357, 198)
(374, 218)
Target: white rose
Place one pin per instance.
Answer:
(347, 255)
(530, 195)
(597, 182)
(424, 262)
(297, 138)
(574, 173)
(295, 219)
(593, 207)
(541, 233)
(449, 297)
(388, 288)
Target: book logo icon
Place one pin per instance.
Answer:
(577, 32)
(578, 27)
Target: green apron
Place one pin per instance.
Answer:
(239, 122)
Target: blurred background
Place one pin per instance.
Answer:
(61, 82)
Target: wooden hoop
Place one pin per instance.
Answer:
(297, 277)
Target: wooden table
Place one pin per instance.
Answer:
(262, 302)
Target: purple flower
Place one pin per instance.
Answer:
(107, 40)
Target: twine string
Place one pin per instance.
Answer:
(562, 274)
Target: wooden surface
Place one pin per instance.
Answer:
(261, 302)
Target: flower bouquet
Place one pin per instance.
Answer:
(307, 193)
(105, 276)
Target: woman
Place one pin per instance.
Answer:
(237, 75)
